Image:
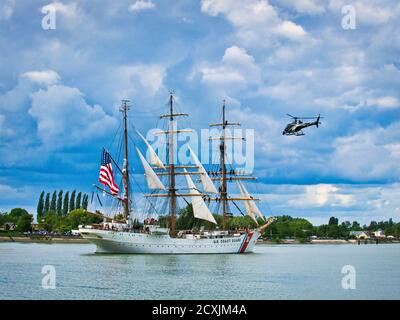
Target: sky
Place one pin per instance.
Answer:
(60, 90)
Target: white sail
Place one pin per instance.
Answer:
(206, 181)
(153, 181)
(154, 159)
(251, 207)
(200, 209)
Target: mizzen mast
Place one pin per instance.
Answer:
(223, 191)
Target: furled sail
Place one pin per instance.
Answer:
(251, 207)
(207, 183)
(153, 181)
(154, 159)
(200, 209)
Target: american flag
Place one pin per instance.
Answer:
(106, 176)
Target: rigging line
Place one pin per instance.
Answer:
(237, 207)
(115, 135)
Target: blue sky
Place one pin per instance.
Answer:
(60, 90)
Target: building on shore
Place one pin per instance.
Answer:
(360, 234)
(379, 233)
(8, 226)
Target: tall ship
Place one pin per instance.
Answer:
(125, 234)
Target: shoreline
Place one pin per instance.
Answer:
(41, 240)
(328, 241)
(259, 242)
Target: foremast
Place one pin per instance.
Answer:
(125, 169)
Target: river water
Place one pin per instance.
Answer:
(273, 272)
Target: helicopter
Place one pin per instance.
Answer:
(296, 126)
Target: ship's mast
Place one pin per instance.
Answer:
(125, 173)
(172, 190)
(223, 191)
(171, 160)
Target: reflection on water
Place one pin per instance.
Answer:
(274, 272)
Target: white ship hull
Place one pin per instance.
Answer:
(108, 241)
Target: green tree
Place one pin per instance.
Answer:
(59, 202)
(47, 203)
(53, 203)
(21, 218)
(333, 221)
(355, 226)
(65, 204)
(40, 207)
(81, 217)
(72, 201)
(51, 221)
(78, 200)
(85, 201)
(24, 223)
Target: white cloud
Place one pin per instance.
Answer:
(47, 77)
(237, 67)
(369, 154)
(141, 5)
(72, 15)
(64, 118)
(140, 79)
(319, 202)
(371, 12)
(256, 21)
(387, 102)
(322, 195)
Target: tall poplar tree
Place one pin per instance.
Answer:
(85, 201)
(59, 202)
(65, 204)
(40, 207)
(53, 203)
(72, 201)
(78, 200)
(47, 203)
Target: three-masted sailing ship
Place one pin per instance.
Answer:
(118, 236)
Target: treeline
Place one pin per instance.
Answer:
(284, 226)
(61, 203)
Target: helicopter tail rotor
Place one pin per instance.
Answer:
(317, 122)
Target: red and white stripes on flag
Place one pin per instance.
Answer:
(106, 176)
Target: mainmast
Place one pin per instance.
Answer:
(125, 173)
(171, 160)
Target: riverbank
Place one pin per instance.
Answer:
(284, 241)
(43, 239)
(328, 241)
